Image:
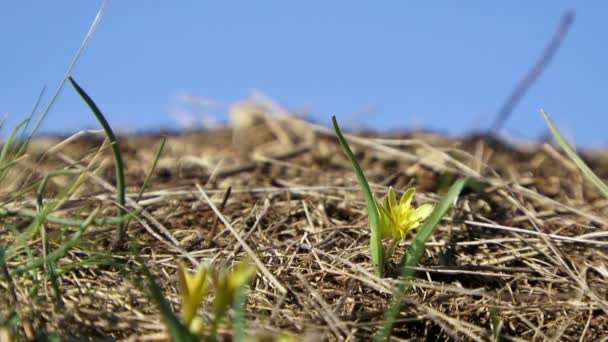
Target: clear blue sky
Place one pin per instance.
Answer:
(446, 66)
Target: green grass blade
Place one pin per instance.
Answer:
(39, 215)
(7, 145)
(240, 301)
(561, 141)
(120, 175)
(372, 206)
(177, 330)
(159, 151)
(55, 283)
(68, 72)
(497, 325)
(64, 221)
(24, 136)
(416, 250)
(62, 250)
(50, 266)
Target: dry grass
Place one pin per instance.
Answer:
(530, 251)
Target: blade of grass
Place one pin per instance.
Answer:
(100, 259)
(159, 151)
(24, 135)
(372, 206)
(120, 176)
(50, 269)
(68, 72)
(67, 222)
(414, 253)
(571, 152)
(30, 257)
(7, 145)
(41, 212)
(497, 325)
(12, 294)
(240, 300)
(177, 330)
(62, 250)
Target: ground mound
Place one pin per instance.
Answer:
(528, 253)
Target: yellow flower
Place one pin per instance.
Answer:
(227, 282)
(192, 289)
(396, 219)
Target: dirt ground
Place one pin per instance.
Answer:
(528, 253)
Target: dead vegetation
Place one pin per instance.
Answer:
(528, 254)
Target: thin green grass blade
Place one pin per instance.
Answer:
(33, 290)
(98, 259)
(120, 175)
(39, 216)
(50, 266)
(159, 151)
(416, 250)
(55, 283)
(68, 72)
(177, 330)
(497, 325)
(3, 121)
(62, 250)
(67, 222)
(45, 180)
(25, 136)
(571, 152)
(240, 301)
(7, 145)
(372, 206)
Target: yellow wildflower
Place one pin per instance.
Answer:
(227, 282)
(397, 218)
(192, 288)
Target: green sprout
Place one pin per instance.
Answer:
(571, 152)
(121, 233)
(388, 218)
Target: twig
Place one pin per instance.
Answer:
(246, 248)
(214, 224)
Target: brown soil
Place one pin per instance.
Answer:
(529, 251)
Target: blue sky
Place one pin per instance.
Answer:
(445, 66)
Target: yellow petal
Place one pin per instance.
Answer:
(386, 204)
(406, 198)
(392, 200)
(241, 273)
(386, 222)
(183, 280)
(192, 288)
(422, 212)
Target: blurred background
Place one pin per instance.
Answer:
(443, 66)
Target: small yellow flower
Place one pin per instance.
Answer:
(192, 289)
(396, 219)
(227, 282)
